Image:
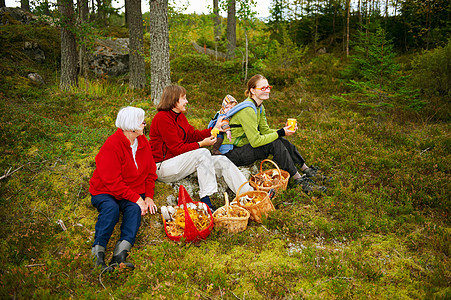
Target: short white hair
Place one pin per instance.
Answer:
(130, 118)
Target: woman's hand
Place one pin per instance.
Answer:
(207, 141)
(143, 205)
(151, 205)
(220, 123)
(289, 132)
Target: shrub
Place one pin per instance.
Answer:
(431, 71)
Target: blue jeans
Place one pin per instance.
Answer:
(109, 210)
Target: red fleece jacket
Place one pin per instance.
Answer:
(116, 173)
(171, 135)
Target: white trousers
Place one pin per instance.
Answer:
(207, 166)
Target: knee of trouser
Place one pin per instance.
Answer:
(110, 210)
(135, 209)
(203, 154)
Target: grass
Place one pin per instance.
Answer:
(381, 231)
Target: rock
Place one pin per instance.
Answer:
(321, 51)
(110, 57)
(33, 51)
(15, 15)
(35, 77)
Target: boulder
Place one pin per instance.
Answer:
(35, 77)
(15, 15)
(110, 57)
(33, 51)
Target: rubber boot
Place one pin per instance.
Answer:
(216, 145)
(98, 253)
(207, 201)
(120, 254)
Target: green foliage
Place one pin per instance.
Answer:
(431, 71)
(374, 80)
(284, 60)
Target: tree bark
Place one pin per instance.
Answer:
(160, 71)
(82, 51)
(217, 20)
(2, 3)
(68, 46)
(25, 5)
(135, 32)
(348, 9)
(231, 29)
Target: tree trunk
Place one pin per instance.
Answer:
(25, 5)
(68, 46)
(82, 51)
(46, 9)
(217, 20)
(348, 8)
(160, 71)
(231, 29)
(247, 55)
(2, 3)
(126, 11)
(135, 32)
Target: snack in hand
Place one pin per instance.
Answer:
(214, 132)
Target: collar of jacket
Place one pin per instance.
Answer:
(126, 141)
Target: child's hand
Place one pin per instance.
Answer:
(229, 135)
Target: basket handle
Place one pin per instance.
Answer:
(226, 197)
(250, 183)
(261, 164)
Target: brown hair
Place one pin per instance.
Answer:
(252, 83)
(170, 97)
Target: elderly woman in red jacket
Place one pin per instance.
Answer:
(178, 148)
(123, 181)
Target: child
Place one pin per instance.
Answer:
(227, 104)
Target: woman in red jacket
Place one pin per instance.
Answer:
(123, 181)
(178, 148)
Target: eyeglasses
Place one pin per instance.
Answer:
(265, 88)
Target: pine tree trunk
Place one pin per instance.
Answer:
(135, 32)
(68, 46)
(46, 9)
(160, 71)
(83, 52)
(348, 8)
(217, 20)
(25, 5)
(231, 29)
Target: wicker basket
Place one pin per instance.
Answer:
(281, 186)
(257, 210)
(232, 224)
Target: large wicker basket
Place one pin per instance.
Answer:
(232, 224)
(283, 182)
(257, 210)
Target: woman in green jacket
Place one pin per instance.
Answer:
(253, 139)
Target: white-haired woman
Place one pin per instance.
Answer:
(123, 181)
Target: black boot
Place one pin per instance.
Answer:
(120, 254)
(216, 145)
(98, 253)
(207, 201)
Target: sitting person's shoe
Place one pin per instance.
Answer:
(311, 171)
(308, 185)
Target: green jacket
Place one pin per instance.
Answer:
(254, 128)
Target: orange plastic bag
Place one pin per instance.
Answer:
(191, 233)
